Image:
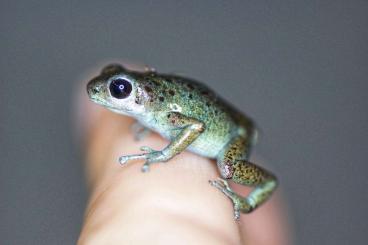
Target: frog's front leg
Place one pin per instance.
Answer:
(233, 165)
(190, 129)
(139, 131)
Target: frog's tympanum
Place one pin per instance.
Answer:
(192, 117)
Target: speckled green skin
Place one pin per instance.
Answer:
(192, 117)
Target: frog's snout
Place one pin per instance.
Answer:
(94, 88)
(91, 90)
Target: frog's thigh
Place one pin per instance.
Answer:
(237, 148)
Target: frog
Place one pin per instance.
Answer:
(192, 117)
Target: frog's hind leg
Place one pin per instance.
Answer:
(233, 165)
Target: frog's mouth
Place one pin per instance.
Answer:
(96, 94)
(126, 112)
(97, 100)
(102, 102)
(107, 105)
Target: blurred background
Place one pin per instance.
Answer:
(298, 67)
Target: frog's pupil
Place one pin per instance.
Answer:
(120, 88)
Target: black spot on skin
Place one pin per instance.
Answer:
(154, 82)
(148, 89)
(169, 115)
(208, 104)
(190, 96)
(138, 100)
(161, 98)
(190, 86)
(171, 92)
(151, 100)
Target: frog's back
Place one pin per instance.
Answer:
(204, 104)
(193, 99)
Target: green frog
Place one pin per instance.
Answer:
(191, 116)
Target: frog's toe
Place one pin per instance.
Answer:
(150, 155)
(154, 156)
(224, 183)
(236, 214)
(123, 159)
(220, 184)
(240, 204)
(139, 131)
(145, 167)
(147, 149)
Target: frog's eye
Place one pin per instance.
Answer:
(120, 88)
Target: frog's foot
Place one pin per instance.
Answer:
(220, 184)
(239, 202)
(151, 156)
(139, 131)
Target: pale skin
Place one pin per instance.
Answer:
(172, 204)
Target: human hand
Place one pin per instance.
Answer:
(173, 203)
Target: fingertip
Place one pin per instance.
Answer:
(267, 225)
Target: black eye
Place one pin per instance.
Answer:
(120, 88)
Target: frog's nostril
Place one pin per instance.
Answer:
(95, 90)
(89, 88)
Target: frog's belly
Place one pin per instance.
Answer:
(205, 145)
(206, 148)
(208, 144)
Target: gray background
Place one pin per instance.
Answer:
(299, 68)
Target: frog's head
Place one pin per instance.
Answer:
(119, 90)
